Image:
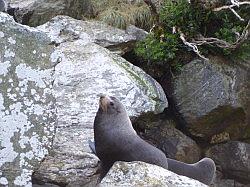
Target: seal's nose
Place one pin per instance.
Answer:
(101, 96)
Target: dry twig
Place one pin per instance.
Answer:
(201, 40)
(193, 46)
(231, 6)
(223, 44)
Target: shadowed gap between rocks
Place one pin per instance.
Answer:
(166, 81)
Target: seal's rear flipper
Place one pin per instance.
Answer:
(203, 171)
(92, 146)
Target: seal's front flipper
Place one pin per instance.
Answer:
(92, 146)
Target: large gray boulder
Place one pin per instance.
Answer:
(83, 70)
(233, 158)
(213, 99)
(86, 70)
(20, 3)
(64, 28)
(27, 106)
(77, 71)
(37, 12)
(142, 174)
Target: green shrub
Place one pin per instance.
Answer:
(192, 20)
(155, 49)
(189, 19)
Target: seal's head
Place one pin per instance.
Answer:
(110, 105)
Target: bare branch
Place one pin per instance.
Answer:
(236, 14)
(215, 41)
(223, 44)
(193, 46)
(235, 2)
(231, 6)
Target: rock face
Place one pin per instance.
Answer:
(64, 28)
(27, 106)
(3, 6)
(143, 174)
(81, 70)
(233, 158)
(16, 4)
(37, 12)
(221, 181)
(73, 170)
(163, 134)
(213, 98)
(85, 70)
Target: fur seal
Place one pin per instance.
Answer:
(116, 140)
(3, 6)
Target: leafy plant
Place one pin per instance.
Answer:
(156, 49)
(194, 22)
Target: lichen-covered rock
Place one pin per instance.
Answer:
(213, 98)
(233, 158)
(20, 3)
(64, 28)
(163, 134)
(27, 111)
(85, 70)
(37, 12)
(142, 174)
(64, 169)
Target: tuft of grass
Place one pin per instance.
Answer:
(142, 17)
(121, 13)
(115, 18)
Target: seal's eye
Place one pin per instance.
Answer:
(111, 104)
